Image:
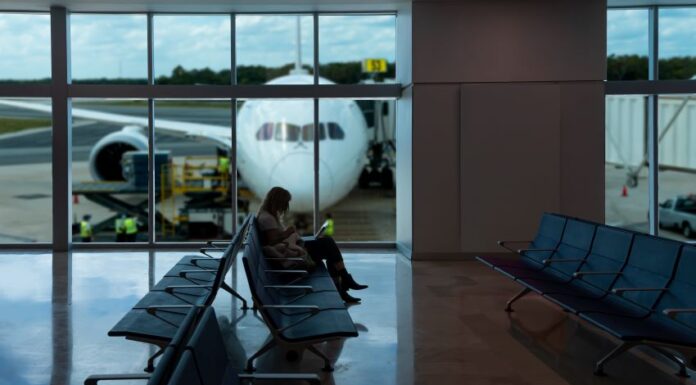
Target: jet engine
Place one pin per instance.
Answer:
(105, 157)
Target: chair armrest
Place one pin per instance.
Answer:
(581, 273)
(310, 378)
(170, 289)
(304, 272)
(285, 259)
(306, 288)
(152, 309)
(92, 380)
(520, 251)
(620, 290)
(560, 260)
(313, 308)
(184, 273)
(671, 313)
(194, 261)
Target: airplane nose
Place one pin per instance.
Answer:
(294, 173)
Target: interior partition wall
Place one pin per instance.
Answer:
(649, 114)
(66, 93)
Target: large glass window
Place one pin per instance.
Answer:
(25, 170)
(357, 48)
(192, 183)
(626, 168)
(270, 47)
(25, 43)
(192, 49)
(108, 48)
(627, 44)
(677, 162)
(109, 170)
(285, 160)
(677, 43)
(357, 168)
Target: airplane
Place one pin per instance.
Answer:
(274, 143)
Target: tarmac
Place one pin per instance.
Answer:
(25, 177)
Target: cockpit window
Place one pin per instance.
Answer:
(335, 131)
(265, 132)
(308, 132)
(286, 132)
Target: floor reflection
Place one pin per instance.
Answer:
(62, 306)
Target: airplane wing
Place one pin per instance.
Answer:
(218, 135)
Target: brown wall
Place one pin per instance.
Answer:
(507, 103)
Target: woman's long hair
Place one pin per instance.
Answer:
(276, 202)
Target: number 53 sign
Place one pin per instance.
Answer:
(374, 66)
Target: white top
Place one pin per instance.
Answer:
(266, 221)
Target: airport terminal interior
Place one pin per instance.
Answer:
(511, 180)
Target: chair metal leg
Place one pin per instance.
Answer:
(327, 363)
(250, 362)
(599, 367)
(682, 366)
(525, 291)
(234, 293)
(151, 361)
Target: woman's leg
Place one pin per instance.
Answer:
(325, 248)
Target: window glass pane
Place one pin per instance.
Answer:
(677, 162)
(345, 42)
(270, 47)
(627, 44)
(109, 170)
(285, 163)
(626, 170)
(108, 48)
(193, 140)
(25, 43)
(25, 170)
(192, 49)
(677, 45)
(357, 168)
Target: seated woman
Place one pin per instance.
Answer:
(272, 232)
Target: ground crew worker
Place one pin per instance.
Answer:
(223, 166)
(86, 228)
(131, 228)
(329, 232)
(120, 228)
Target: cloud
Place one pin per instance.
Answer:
(627, 32)
(109, 45)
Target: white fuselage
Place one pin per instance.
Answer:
(275, 146)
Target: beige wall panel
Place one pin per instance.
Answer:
(509, 40)
(510, 140)
(435, 168)
(582, 150)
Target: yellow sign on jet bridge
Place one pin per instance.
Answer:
(374, 66)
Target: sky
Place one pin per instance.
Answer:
(115, 46)
(627, 32)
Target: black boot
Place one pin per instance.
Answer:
(349, 282)
(343, 292)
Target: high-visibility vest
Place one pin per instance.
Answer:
(223, 166)
(120, 226)
(329, 232)
(130, 225)
(85, 229)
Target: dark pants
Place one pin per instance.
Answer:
(324, 248)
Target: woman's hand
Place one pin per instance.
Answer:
(289, 231)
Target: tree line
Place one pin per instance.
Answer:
(635, 67)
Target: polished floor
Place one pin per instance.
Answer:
(420, 323)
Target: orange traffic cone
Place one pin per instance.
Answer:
(624, 191)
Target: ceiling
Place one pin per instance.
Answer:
(203, 5)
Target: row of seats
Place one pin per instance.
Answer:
(301, 308)
(196, 355)
(193, 282)
(637, 287)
